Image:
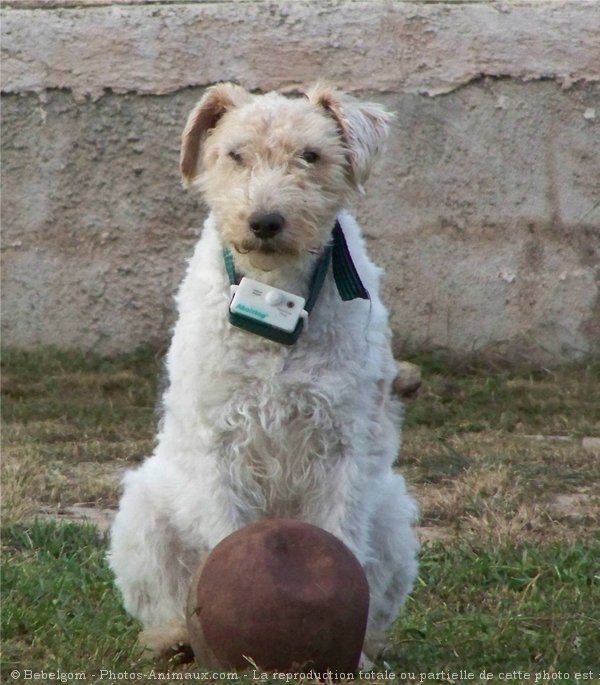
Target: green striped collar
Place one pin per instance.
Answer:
(346, 278)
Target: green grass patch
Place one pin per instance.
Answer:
(525, 608)
(60, 610)
(62, 397)
(558, 402)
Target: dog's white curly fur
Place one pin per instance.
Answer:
(252, 428)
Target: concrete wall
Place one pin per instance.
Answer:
(485, 211)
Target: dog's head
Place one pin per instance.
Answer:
(276, 170)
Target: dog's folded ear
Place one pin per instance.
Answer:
(364, 127)
(206, 114)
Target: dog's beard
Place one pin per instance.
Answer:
(249, 244)
(274, 246)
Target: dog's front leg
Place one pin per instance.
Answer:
(168, 521)
(151, 563)
(375, 520)
(342, 509)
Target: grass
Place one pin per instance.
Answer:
(60, 610)
(526, 608)
(83, 417)
(509, 576)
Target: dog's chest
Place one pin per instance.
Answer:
(280, 415)
(278, 437)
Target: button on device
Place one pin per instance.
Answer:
(273, 297)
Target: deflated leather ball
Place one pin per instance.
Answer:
(287, 594)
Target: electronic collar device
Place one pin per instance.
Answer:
(281, 316)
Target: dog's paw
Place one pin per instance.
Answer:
(408, 380)
(365, 664)
(166, 640)
(373, 647)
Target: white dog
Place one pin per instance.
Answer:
(255, 427)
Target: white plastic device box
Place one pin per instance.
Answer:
(267, 304)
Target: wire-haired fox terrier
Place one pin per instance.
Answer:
(278, 403)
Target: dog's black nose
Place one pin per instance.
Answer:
(266, 225)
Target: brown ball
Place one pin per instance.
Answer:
(287, 594)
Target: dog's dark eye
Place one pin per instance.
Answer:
(235, 156)
(310, 156)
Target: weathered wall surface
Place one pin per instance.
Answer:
(485, 211)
